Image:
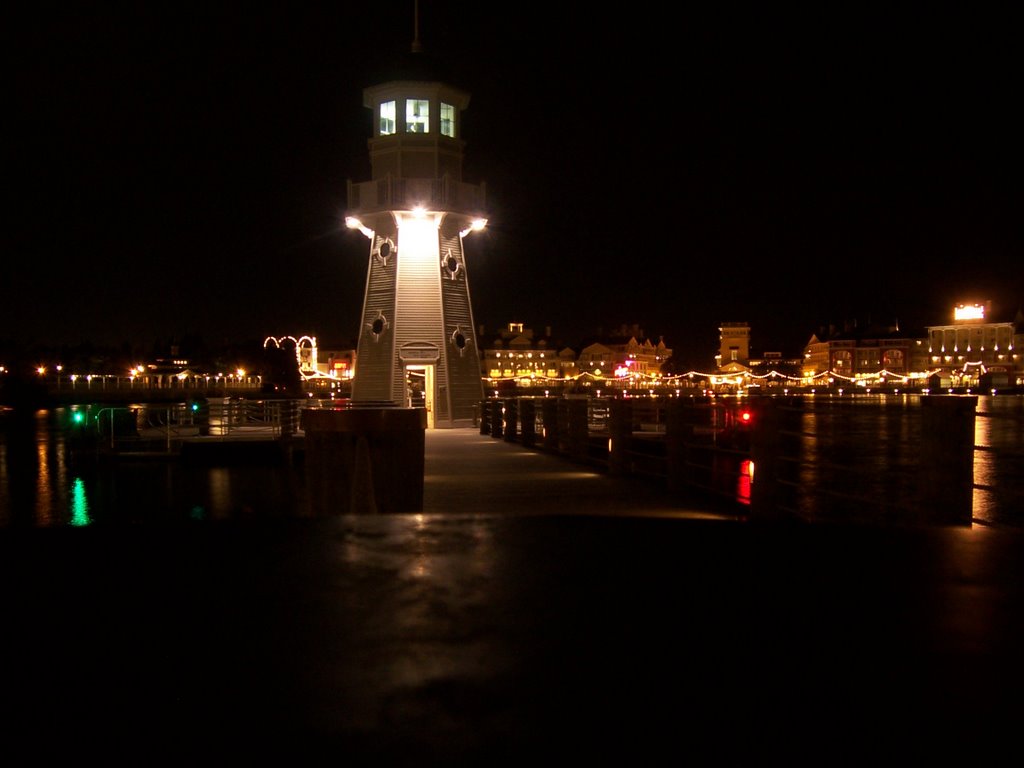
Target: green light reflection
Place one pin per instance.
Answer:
(79, 504)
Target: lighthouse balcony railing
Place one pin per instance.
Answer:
(390, 194)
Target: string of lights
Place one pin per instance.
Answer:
(726, 378)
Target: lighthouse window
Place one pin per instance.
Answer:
(387, 118)
(447, 120)
(417, 116)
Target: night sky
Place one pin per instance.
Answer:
(181, 169)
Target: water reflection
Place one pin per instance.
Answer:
(79, 503)
(1001, 466)
(220, 493)
(863, 460)
(44, 496)
(746, 475)
(984, 470)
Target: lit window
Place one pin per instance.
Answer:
(387, 118)
(417, 116)
(447, 120)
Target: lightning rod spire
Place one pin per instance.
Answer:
(416, 47)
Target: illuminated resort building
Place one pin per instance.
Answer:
(976, 349)
(872, 354)
(417, 343)
(737, 365)
(973, 350)
(516, 353)
(733, 346)
(623, 355)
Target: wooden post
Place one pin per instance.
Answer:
(946, 460)
(497, 417)
(563, 426)
(765, 448)
(578, 432)
(485, 417)
(549, 412)
(528, 421)
(511, 419)
(620, 436)
(678, 437)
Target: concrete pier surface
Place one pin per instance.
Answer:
(534, 610)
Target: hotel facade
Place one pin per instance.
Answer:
(974, 350)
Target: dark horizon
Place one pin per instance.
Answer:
(185, 173)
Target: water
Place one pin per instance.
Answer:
(43, 485)
(864, 460)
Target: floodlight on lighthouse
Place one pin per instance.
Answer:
(353, 223)
(417, 232)
(475, 226)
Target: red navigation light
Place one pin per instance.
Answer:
(746, 417)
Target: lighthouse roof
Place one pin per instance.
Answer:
(415, 66)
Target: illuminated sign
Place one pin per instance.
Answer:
(973, 312)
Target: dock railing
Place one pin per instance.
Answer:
(159, 428)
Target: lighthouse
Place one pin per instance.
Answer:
(417, 346)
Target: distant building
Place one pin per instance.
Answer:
(736, 361)
(865, 353)
(337, 363)
(516, 353)
(733, 345)
(775, 362)
(622, 354)
(979, 348)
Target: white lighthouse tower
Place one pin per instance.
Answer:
(417, 344)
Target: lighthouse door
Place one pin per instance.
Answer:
(419, 388)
